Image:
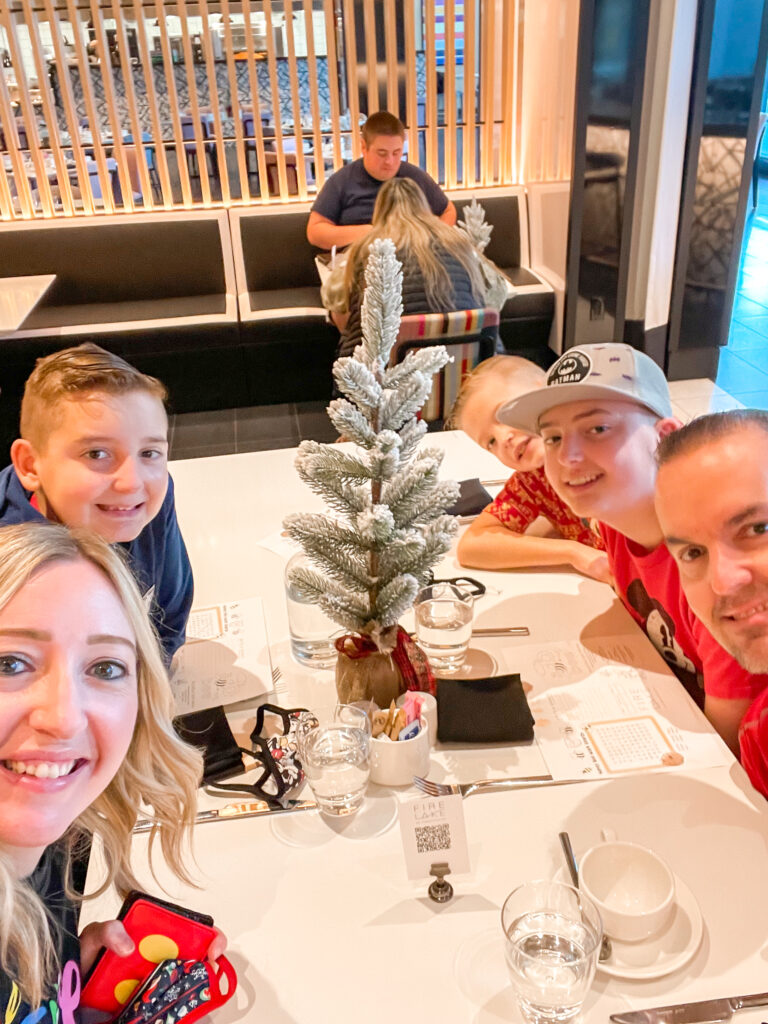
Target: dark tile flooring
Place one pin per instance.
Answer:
(226, 431)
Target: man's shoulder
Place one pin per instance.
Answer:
(409, 170)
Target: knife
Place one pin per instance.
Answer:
(709, 1011)
(251, 809)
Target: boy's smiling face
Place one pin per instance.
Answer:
(514, 448)
(599, 456)
(103, 464)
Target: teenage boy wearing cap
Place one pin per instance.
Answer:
(601, 416)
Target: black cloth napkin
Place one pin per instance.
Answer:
(209, 731)
(472, 499)
(493, 710)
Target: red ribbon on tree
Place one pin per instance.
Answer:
(407, 655)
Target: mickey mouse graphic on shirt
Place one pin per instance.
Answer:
(660, 630)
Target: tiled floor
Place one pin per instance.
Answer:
(743, 370)
(225, 431)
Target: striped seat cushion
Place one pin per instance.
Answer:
(447, 325)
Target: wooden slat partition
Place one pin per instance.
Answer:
(333, 81)
(314, 88)
(350, 62)
(125, 68)
(298, 127)
(411, 80)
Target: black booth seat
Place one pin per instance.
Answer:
(271, 303)
(156, 288)
(142, 314)
(288, 343)
(139, 271)
(526, 317)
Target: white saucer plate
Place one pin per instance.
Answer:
(664, 953)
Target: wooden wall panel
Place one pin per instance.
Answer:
(112, 106)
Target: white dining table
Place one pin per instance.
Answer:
(324, 926)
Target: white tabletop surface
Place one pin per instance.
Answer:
(18, 297)
(323, 924)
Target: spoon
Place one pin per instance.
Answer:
(573, 871)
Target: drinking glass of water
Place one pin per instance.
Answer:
(335, 748)
(312, 632)
(552, 939)
(444, 625)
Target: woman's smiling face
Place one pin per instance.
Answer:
(68, 703)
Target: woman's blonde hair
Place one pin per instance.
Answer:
(403, 214)
(159, 770)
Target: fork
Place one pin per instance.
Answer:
(485, 785)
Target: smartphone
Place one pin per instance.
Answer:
(161, 931)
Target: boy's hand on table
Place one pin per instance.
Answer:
(593, 563)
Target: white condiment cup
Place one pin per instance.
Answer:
(631, 886)
(395, 762)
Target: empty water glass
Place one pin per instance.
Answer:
(334, 747)
(552, 939)
(443, 614)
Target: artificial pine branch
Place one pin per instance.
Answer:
(475, 226)
(390, 526)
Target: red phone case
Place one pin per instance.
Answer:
(161, 932)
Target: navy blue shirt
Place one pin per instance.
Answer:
(62, 1002)
(157, 557)
(349, 195)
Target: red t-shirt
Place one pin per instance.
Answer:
(649, 586)
(526, 496)
(753, 741)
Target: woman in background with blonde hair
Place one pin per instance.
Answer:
(441, 268)
(85, 739)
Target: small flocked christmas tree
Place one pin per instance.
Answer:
(389, 527)
(478, 231)
(475, 226)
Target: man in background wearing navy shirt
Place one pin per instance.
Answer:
(343, 210)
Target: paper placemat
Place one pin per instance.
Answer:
(225, 659)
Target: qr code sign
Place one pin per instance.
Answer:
(430, 838)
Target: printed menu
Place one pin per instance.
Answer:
(609, 706)
(225, 659)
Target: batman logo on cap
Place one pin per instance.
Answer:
(573, 367)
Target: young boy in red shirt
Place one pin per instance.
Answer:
(601, 417)
(499, 538)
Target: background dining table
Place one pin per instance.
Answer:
(323, 924)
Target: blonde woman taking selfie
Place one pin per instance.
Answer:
(85, 738)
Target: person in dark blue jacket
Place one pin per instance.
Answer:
(93, 453)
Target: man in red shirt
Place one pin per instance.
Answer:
(601, 416)
(712, 503)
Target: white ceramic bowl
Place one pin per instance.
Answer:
(394, 763)
(631, 886)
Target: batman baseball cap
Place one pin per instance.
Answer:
(612, 371)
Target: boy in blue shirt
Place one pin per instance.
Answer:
(93, 453)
